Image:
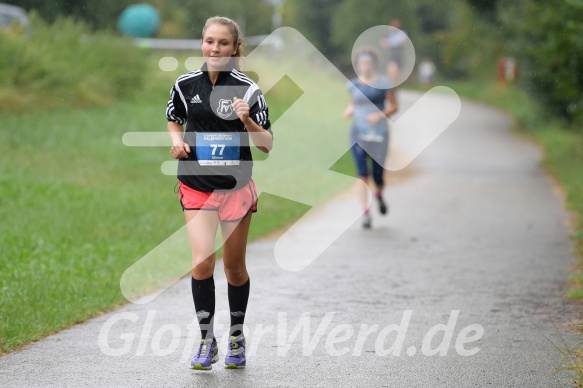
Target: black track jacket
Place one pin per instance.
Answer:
(209, 118)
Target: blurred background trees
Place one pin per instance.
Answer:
(464, 38)
(546, 37)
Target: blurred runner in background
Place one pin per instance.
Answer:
(372, 101)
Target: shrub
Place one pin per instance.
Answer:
(63, 65)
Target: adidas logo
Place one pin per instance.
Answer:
(196, 100)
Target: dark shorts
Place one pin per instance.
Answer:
(361, 158)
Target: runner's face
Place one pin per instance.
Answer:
(365, 66)
(218, 46)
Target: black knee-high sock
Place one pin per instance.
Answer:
(238, 297)
(203, 294)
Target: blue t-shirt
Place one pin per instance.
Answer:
(368, 99)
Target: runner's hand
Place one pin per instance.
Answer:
(180, 150)
(241, 108)
(375, 117)
(348, 112)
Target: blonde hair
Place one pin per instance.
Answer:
(238, 41)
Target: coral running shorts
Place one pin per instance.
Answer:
(230, 205)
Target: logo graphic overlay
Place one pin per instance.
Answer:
(225, 108)
(309, 138)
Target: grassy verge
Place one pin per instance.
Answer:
(61, 65)
(563, 159)
(80, 207)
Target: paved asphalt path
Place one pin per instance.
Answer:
(477, 237)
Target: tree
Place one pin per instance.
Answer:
(352, 17)
(180, 18)
(97, 14)
(546, 38)
(484, 8)
(313, 19)
(434, 22)
(471, 43)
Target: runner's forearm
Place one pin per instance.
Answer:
(262, 138)
(175, 132)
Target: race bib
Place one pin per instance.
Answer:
(218, 149)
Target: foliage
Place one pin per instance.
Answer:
(451, 33)
(185, 18)
(434, 25)
(180, 18)
(97, 14)
(60, 65)
(313, 18)
(346, 28)
(470, 45)
(485, 8)
(546, 37)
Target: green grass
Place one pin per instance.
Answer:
(79, 207)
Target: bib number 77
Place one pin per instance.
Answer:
(220, 147)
